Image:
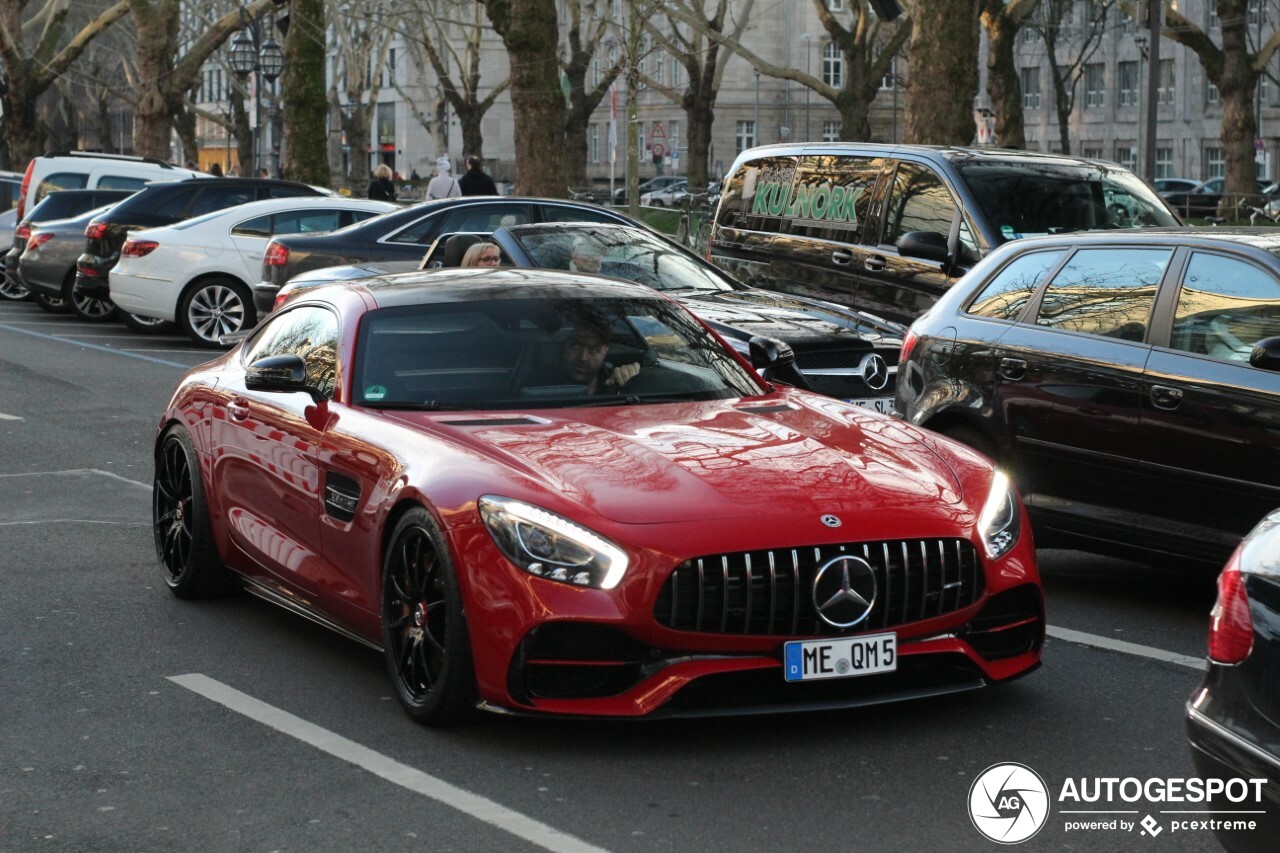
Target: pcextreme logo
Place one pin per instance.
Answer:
(1008, 803)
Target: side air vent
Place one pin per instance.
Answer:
(341, 496)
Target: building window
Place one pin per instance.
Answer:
(1030, 88)
(830, 131)
(1127, 83)
(1164, 94)
(1127, 155)
(391, 67)
(659, 66)
(1215, 164)
(1213, 13)
(593, 142)
(890, 79)
(1211, 94)
(1095, 85)
(1164, 162)
(746, 136)
(1092, 153)
(835, 5)
(832, 65)
(673, 135)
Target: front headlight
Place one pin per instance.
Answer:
(550, 546)
(1000, 522)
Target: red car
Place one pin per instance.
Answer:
(542, 493)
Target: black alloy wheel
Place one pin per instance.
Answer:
(86, 307)
(52, 304)
(424, 632)
(180, 522)
(12, 289)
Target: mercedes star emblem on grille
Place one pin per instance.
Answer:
(832, 520)
(874, 371)
(844, 591)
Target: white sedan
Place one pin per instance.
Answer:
(197, 272)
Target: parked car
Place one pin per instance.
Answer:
(838, 352)
(889, 228)
(1203, 199)
(1165, 186)
(74, 170)
(166, 204)
(1130, 382)
(667, 196)
(10, 289)
(651, 185)
(60, 204)
(198, 271)
(1233, 718)
(514, 542)
(408, 233)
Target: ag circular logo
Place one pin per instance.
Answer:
(1008, 803)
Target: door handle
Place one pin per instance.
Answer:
(841, 258)
(875, 263)
(1013, 369)
(1164, 397)
(237, 410)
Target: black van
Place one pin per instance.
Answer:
(888, 228)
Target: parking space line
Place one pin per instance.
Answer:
(1114, 645)
(4, 417)
(378, 764)
(64, 340)
(70, 471)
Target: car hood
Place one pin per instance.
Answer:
(647, 464)
(746, 313)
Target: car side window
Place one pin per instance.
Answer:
(1225, 306)
(556, 213)
(305, 221)
(258, 227)
(1008, 291)
(833, 201)
(483, 218)
(120, 182)
(219, 198)
(1106, 292)
(309, 332)
(921, 201)
(60, 181)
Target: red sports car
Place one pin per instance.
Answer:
(540, 493)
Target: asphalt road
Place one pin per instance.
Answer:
(278, 735)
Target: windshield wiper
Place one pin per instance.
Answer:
(424, 406)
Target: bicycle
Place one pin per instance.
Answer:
(695, 239)
(1255, 212)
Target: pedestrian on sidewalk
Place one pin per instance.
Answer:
(475, 181)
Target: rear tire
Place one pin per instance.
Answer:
(13, 290)
(148, 325)
(52, 304)
(180, 522)
(89, 308)
(215, 307)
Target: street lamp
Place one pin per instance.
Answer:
(808, 69)
(755, 129)
(249, 54)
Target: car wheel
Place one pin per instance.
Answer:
(424, 631)
(180, 522)
(85, 307)
(213, 308)
(970, 437)
(12, 289)
(52, 304)
(148, 325)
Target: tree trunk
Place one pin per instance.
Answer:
(855, 118)
(355, 125)
(1237, 85)
(530, 34)
(22, 126)
(157, 27)
(943, 78)
(242, 131)
(700, 115)
(305, 146)
(1004, 86)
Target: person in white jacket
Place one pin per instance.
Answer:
(443, 185)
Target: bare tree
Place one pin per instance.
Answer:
(362, 39)
(1002, 20)
(585, 42)
(1071, 33)
(942, 79)
(35, 51)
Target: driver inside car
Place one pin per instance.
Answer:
(583, 359)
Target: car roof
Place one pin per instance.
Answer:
(427, 287)
(1264, 239)
(953, 153)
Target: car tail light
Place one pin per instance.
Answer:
(26, 184)
(38, 239)
(96, 230)
(275, 255)
(22, 232)
(1230, 627)
(908, 344)
(280, 298)
(137, 248)
(87, 272)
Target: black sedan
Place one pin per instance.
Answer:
(405, 235)
(1130, 383)
(838, 351)
(1233, 719)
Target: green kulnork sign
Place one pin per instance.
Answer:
(816, 202)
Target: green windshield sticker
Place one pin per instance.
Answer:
(375, 392)
(815, 203)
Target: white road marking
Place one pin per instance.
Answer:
(4, 417)
(378, 764)
(75, 521)
(80, 471)
(1114, 645)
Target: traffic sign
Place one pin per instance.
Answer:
(658, 131)
(658, 149)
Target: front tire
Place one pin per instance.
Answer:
(52, 304)
(213, 308)
(424, 629)
(180, 522)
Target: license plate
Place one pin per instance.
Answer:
(811, 660)
(883, 405)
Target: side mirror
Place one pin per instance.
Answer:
(927, 245)
(280, 373)
(770, 353)
(1266, 354)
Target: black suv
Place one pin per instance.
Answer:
(165, 204)
(888, 228)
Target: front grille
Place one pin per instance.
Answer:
(771, 592)
(840, 373)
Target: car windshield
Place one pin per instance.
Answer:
(1026, 199)
(549, 352)
(620, 252)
